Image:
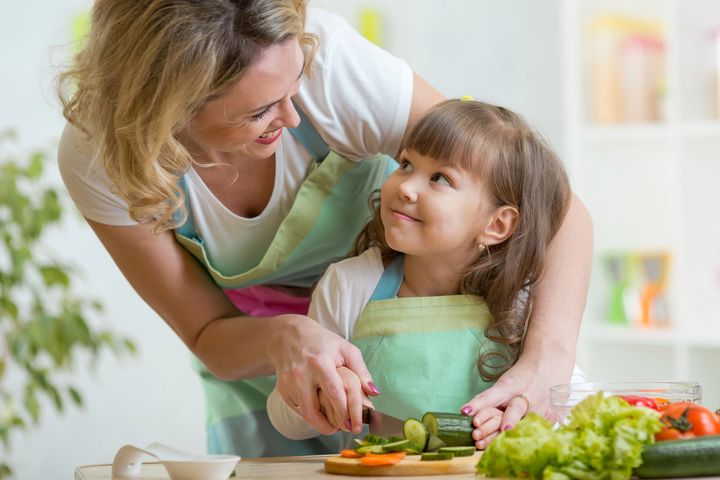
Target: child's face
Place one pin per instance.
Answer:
(432, 208)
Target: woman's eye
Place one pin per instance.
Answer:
(439, 178)
(261, 115)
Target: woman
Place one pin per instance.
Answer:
(187, 154)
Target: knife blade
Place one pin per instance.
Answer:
(382, 424)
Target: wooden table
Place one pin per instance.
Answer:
(307, 468)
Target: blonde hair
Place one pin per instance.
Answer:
(147, 69)
(520, 170)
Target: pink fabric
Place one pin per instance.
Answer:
(261, 301)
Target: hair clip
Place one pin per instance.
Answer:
(466, 98)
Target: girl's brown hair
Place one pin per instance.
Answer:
(520, 170)
(146, 70)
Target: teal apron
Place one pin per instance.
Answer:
(330, 209)
(422, 352)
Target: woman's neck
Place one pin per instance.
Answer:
(429, 277)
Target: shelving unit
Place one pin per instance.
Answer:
(651, 186)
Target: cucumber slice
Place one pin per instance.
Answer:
(370, 449)
(452, 428)
(434, 456)
(415, 431)
(375, 439)
(458, 451)
(434, 443)
(398, 446)
(361, 443)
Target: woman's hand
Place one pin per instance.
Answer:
(306, 358)
(522, 389)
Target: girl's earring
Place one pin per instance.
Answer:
(482, 247)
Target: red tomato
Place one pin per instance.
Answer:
(685, 420)
(639, 401)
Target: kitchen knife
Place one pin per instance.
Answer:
(381, 424)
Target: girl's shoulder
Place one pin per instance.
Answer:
(368, 265)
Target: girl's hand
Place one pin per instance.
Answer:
(306, 358)
(521, 389)
(487, 426)
(356, 399)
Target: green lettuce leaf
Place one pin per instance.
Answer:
(603, 439)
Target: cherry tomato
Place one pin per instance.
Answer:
(639, 401)
(685, 419)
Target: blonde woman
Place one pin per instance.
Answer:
(215, 149)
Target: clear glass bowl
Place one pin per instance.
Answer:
(564, 397)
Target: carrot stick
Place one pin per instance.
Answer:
(350, 453)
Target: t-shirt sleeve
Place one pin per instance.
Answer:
(87, 183)
(343, 292)
(357, 95)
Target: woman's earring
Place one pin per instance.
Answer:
(482, 247)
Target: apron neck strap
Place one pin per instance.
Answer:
(390, 281)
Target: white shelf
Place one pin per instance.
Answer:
(671, 337)
(648, 186)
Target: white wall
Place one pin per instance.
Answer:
(506, 52)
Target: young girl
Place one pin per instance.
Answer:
(440, 292)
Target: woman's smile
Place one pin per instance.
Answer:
(269, 137)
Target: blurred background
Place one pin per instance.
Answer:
(626, 92)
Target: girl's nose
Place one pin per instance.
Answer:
(407, 191)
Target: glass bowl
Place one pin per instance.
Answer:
(564, 397)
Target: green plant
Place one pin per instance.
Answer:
(45, 325)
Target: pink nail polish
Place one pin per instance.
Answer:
(466, 410)
(373, 388)
(507, 427)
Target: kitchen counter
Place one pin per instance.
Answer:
(307, 468)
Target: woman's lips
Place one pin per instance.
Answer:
(270, 139)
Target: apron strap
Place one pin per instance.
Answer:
(305, 133)
(390, 281)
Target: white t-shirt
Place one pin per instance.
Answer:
(337, 302)
(358, 97)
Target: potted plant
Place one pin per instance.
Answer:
(44, 321)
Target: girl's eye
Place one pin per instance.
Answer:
(405, 165)
(439, 178)
(261, 115)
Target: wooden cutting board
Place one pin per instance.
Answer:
(409, 466)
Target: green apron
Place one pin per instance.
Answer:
(330, 209)
(422, 352)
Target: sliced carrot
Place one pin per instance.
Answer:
(379, 459)
(350, 453)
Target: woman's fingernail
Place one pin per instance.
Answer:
(373, 388)
(480, 444)
(348, 424)
(466, 410)
(507, 427)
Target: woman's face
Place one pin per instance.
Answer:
(249, 119)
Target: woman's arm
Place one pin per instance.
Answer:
(302, 353)
(423, 98)
(549, 352)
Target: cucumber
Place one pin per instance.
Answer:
(692, 457)
(375, 439)
(452, 428)
(433, 456)
(458, 451)
(399, 446)
(434, 443)
(415, 431)
(370, 449)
